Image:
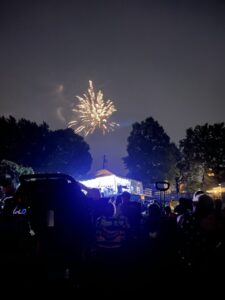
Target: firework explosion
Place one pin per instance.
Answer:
(93, 112)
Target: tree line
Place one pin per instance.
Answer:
(36, 146)
(198, 161)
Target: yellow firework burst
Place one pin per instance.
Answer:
(93, 112)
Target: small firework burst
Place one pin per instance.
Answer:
(93, 112)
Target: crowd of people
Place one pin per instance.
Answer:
(109, 242)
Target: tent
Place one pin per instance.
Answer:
(110, 184)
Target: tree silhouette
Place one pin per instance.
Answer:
(203, 155)
(68, 152)
(151, 155)
(31, 145)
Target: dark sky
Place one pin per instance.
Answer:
(164, 59)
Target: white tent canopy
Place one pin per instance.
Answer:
(109, 184)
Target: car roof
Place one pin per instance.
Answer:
(46, 177)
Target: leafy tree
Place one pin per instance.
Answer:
(68, 152)
(23, 142)
(203, 156)
(9, 169)
(151, 155)
(32, 145)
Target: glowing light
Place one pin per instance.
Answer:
(216, 191)
(108, 185)
(93, 112)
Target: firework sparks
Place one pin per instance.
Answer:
(93, 112)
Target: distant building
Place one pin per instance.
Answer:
(109, 184)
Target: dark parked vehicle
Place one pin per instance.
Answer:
(55, 215)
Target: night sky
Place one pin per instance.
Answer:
(164, 59)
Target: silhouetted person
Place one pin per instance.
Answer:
(131, 210)
(8, 190)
